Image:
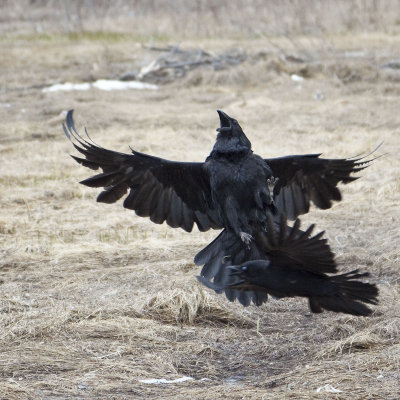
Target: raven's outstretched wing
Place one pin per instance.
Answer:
(305, 178)
(175, 192)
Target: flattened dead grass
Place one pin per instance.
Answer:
(94, 300)
(192, 305)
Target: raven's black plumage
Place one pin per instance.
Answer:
(287, 262)
(234, 190)
(277, 242)
(339, 293)
(308, 178)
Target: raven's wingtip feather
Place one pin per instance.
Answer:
(70, 119)
(68, 126)
(67, 134)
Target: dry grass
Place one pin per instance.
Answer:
(203, 18)
(94, 299)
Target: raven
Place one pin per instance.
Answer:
(339, 293)
(292, 266)
(234, 190)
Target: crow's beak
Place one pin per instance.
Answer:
(225, 121)
(235, 271)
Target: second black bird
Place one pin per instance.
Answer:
(292, 266)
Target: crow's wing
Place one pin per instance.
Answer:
(289, 246)
(175, 192)
(305, 178)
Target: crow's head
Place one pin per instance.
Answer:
(231, 137)
(250, 271)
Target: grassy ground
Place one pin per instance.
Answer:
(94, 299)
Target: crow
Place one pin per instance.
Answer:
(234, 190)
(338, 293)
(292, 265)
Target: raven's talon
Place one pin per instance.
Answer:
(271, 182)
(246, 238)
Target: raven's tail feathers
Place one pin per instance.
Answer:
(350, 295)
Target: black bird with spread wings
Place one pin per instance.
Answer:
(234, 190)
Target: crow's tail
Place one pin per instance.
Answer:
(349, 295)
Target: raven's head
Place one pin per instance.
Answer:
(231, 137)
(250, 271)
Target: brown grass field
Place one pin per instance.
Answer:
(94, 299)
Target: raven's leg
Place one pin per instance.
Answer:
(233, 214)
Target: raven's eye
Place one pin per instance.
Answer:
(244, 268)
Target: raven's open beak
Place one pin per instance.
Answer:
(225, 120)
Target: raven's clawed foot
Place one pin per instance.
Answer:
(246, 238)
(271, 182)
